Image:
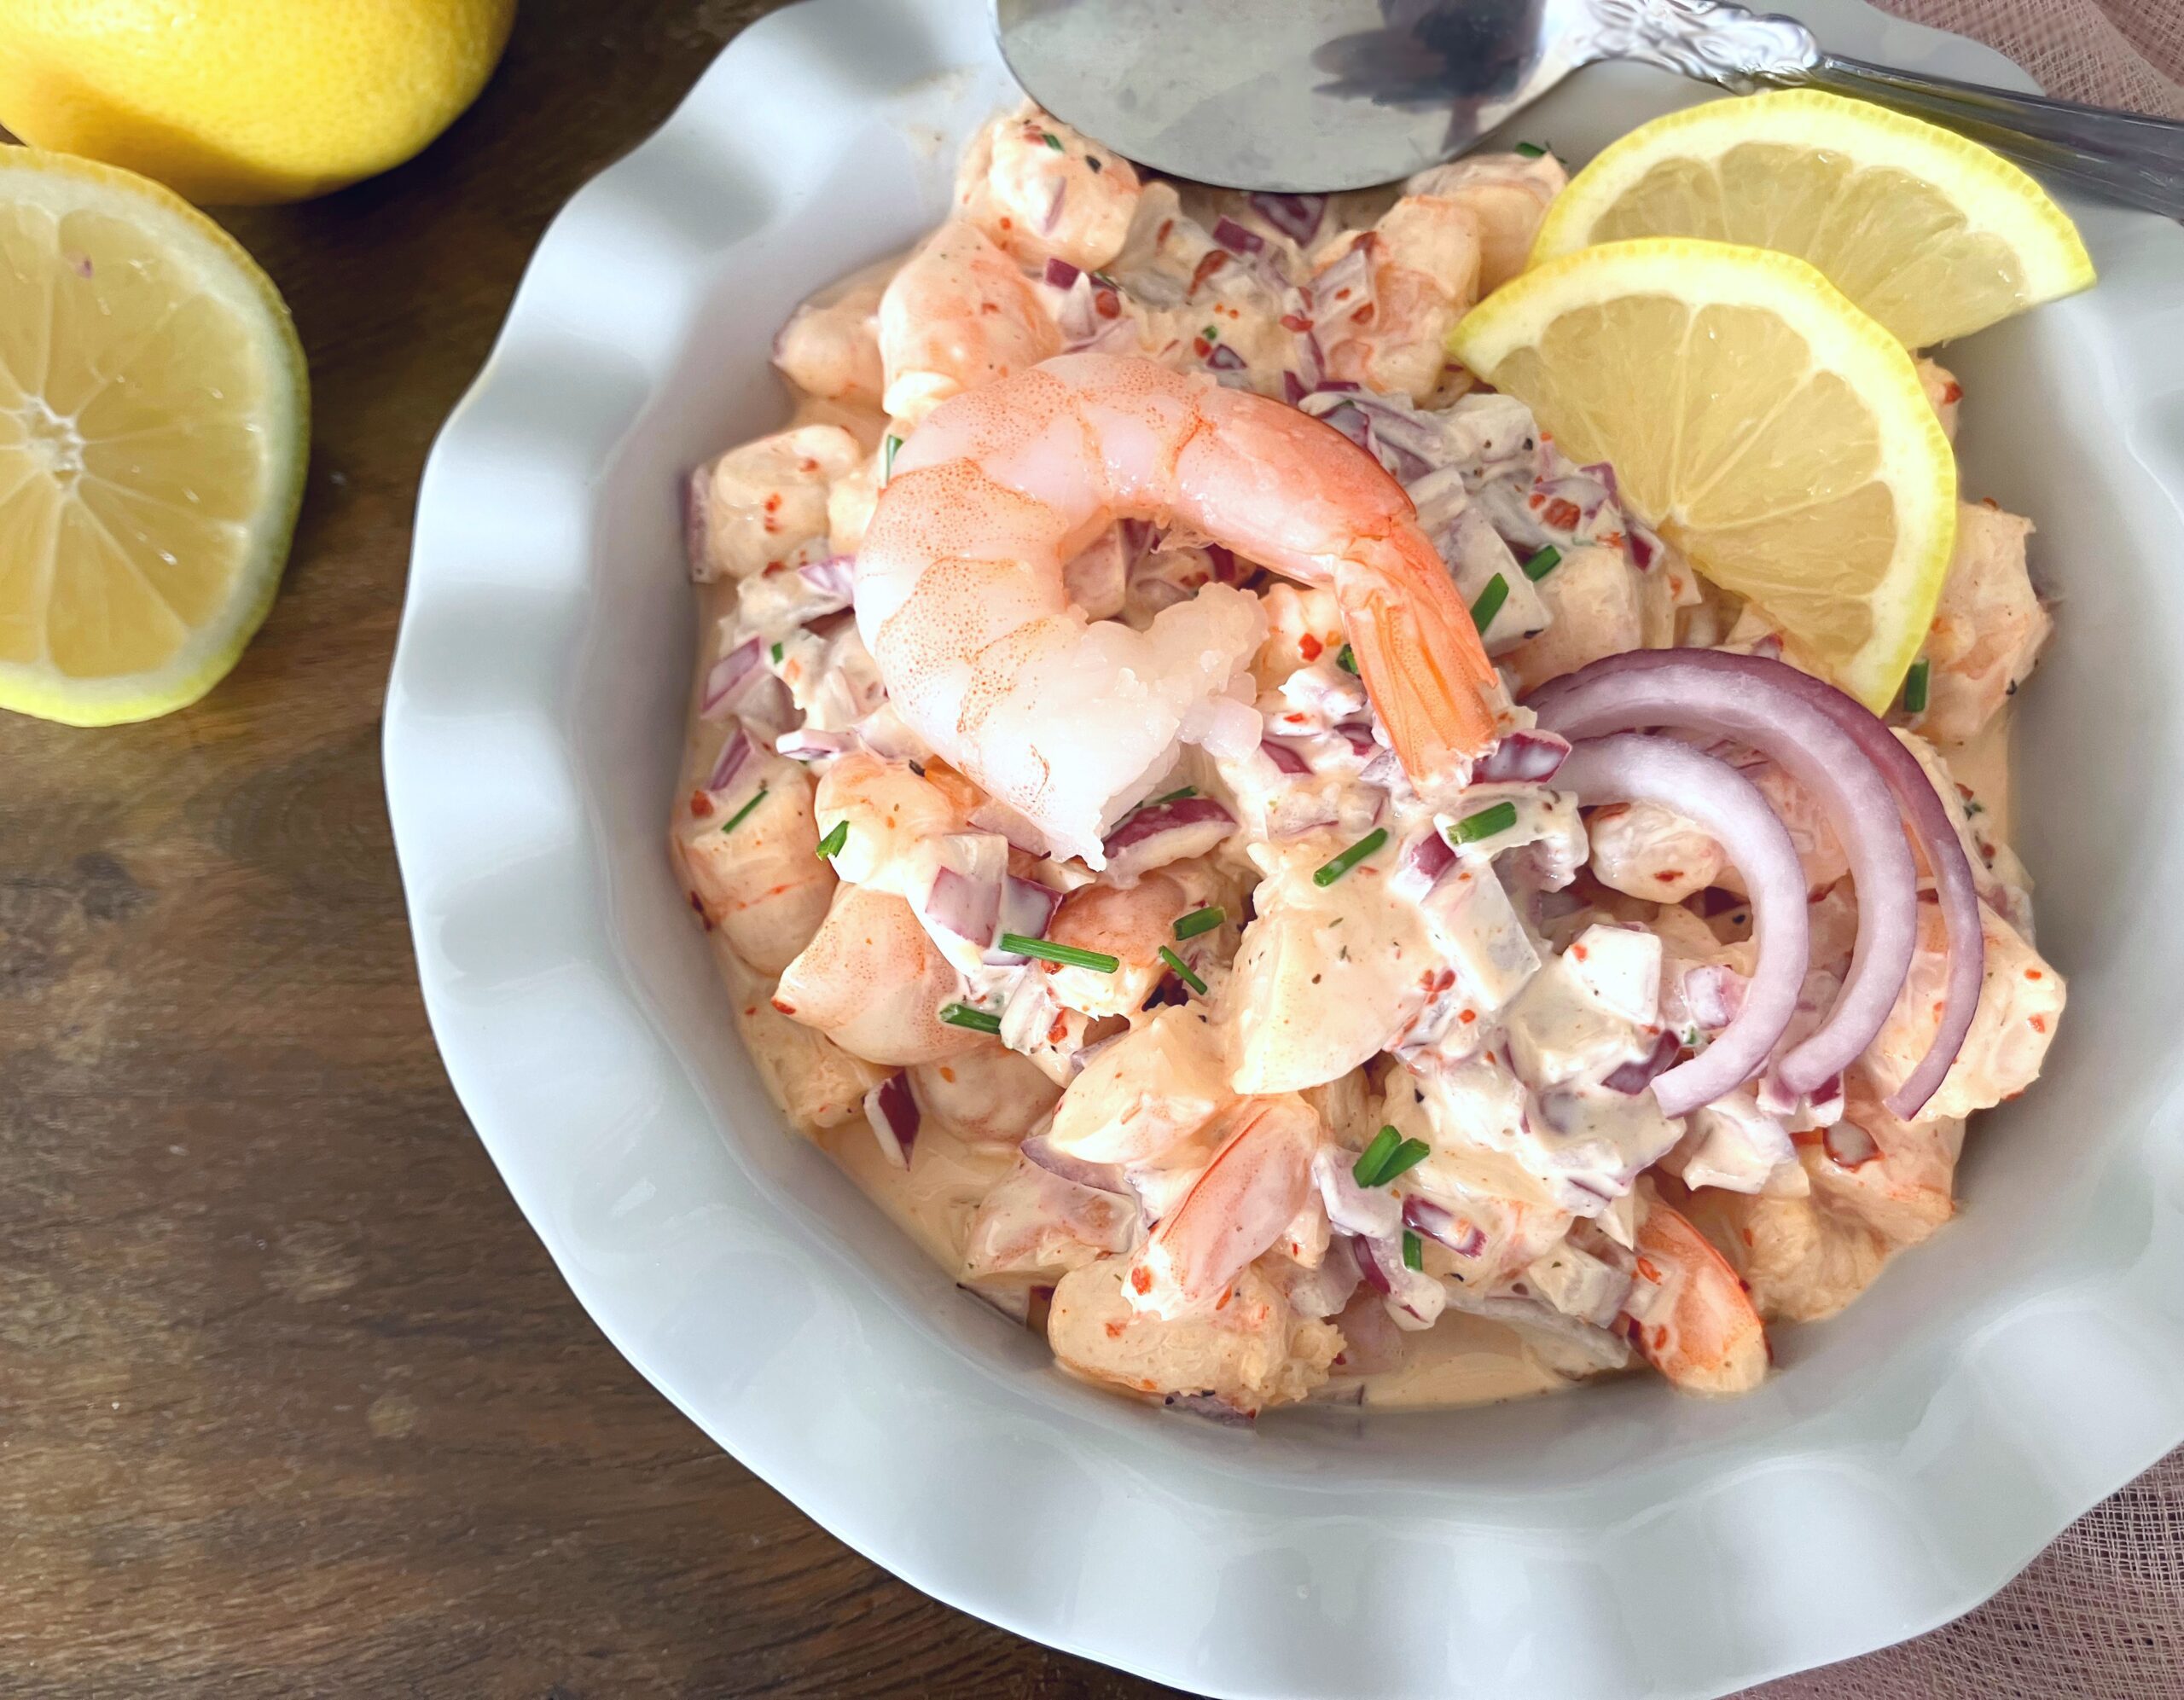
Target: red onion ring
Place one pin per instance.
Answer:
(1629, 766)
(1747, 699)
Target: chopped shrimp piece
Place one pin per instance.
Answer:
(1259, 1178)
(890, 812)
(1422, 259)
(1128, 923)
(1034, 1222)
(764, 505)
(814, 1080)
(1041, 190)
(1988, 626)
(1897, 1176)
(989, 1095)
(763, 884)
(1152, 1089)
(963, 601)
(873, 983)
(831, 350)
(1943, 391)
(1801, 1260)
(850, 503)
(958, 315)
(1507, 194)
(1817, 846)
(1253, 1352)
(2020, 1001)
(1690, 1313)
(1304, 624)
(1593, 609)
(1644, 851)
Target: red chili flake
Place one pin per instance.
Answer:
(1466, 1017)
(774, 502)
(1114, 1331)
(1221, 1303)
(807, 465)
(1579, 952)
(1563, 514)
(948, 1074)
(1200, 347)
(1295, 322)
(1106, 303)
(1612, 540)
(1310, 647)
(702, 805)
(1535, 501)
(1669, 876)
(1364, 316)
(2033, 974)
(1160, 236)
(1007, 225)
(987, 308)
(1988, 502)
(1211, 262)
(2039, 1023)
(1952, 391)
(1141, 1280)
(1059, 1030)
(785, 1008)
(1646, 1268)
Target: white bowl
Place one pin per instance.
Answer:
(1906, 1457)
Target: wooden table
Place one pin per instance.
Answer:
(291, 1401)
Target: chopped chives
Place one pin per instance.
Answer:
(1211, 333)
(962, 1015)
(1408, 1155)
(1497, 817)
(777, 655)
(887, 454)
(1347, 660)
(1916, 683)
(1413, 1251)
(1182, 970)
(1366, 1171)
(1350, 858)
(1201, 920)
(1529, 150)
(1537, 566)
(1052, 140)
(1490, 602)
(738, 818)
(831, 845)
(1176, 796)
(1068, 955)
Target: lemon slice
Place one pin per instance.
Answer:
(1932, 235)
(154, 423)
(1766, 426)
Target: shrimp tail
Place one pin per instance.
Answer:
(1422, 663)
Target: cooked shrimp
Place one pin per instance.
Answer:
(1507, 194)
(1128, 924)
(1688, 1311)
(1248, 1354)
(889, 813)
(1041, 191)
(1155, 1087)
(1988, 626)
(1644, 851)
(762, 884)
(1423, 260)
(873, 983)
(1799, 1259)
(764, 505)
(831, 349)
(814, 1080)
(1036, 1223)
(1593, 609)
(1259, 1177)
(1897, 1176)
(989, 1095)
(958, 315)
(962, 600)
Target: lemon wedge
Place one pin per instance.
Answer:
(1933, 236)
(154, 417)
(1769, 429)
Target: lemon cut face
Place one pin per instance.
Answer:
(153, 430)
(1931, 235)
(1769, 429)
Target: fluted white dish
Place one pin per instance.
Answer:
(1906, 1457)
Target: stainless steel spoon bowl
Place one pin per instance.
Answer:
(1311, 94)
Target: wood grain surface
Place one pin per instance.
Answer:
(291, 1401)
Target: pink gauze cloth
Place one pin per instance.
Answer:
(2099, 1615)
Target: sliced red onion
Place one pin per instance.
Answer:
(1162, 832)
(970, 908)
(1293, 388)
(1352, 1209)
(1380, 1262)
(1713, 993)
(1053, 207)
(1027, 909)
(1040, 1150)
(1424, 860)
(804, 744)
(1222, 358)
(835, 578)
(1435, 1221)
(1632, 767)
(728, 677)
(1345, 286)
(1296, 215)
(1283, 757)
(1235, 238)
(1634, 1078)
(893, 1111)
(1061, 273)
(1371, 1268)
(1791, 719)
(1534, 757)
(733, 755)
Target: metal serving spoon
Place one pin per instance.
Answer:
(1312, 95)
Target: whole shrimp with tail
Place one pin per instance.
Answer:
(1069, 722)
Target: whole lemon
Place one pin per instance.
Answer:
(230, 102)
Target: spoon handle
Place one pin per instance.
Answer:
(2123, 156)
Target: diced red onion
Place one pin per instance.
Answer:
(835, 578)
(1634, 1078)
(1222, 358)
(1296, 215)
(1293, 388)
(1235, 238)
(733, 755)
(1041, 1151)
(1370, 1267)
(1027, 909)
(1528, 756)
(1380, 1262)
(1061, 273)
(893, 1111)
(1162, 832)
(728, 677)
(1345, 286)
(1358, 734)
(1425, 859)
(804, 744)
(1435, 1221)
(1713, 993)
(1371, 1211)
(1633, 767)
(1223, 558)
(1284, 757)
(970, 908)
(1053, 207)
(1805, 727)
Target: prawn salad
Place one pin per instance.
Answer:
(1278, 878)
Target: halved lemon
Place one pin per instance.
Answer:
(154, 420)
(1933, 236)
(1772, 431)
